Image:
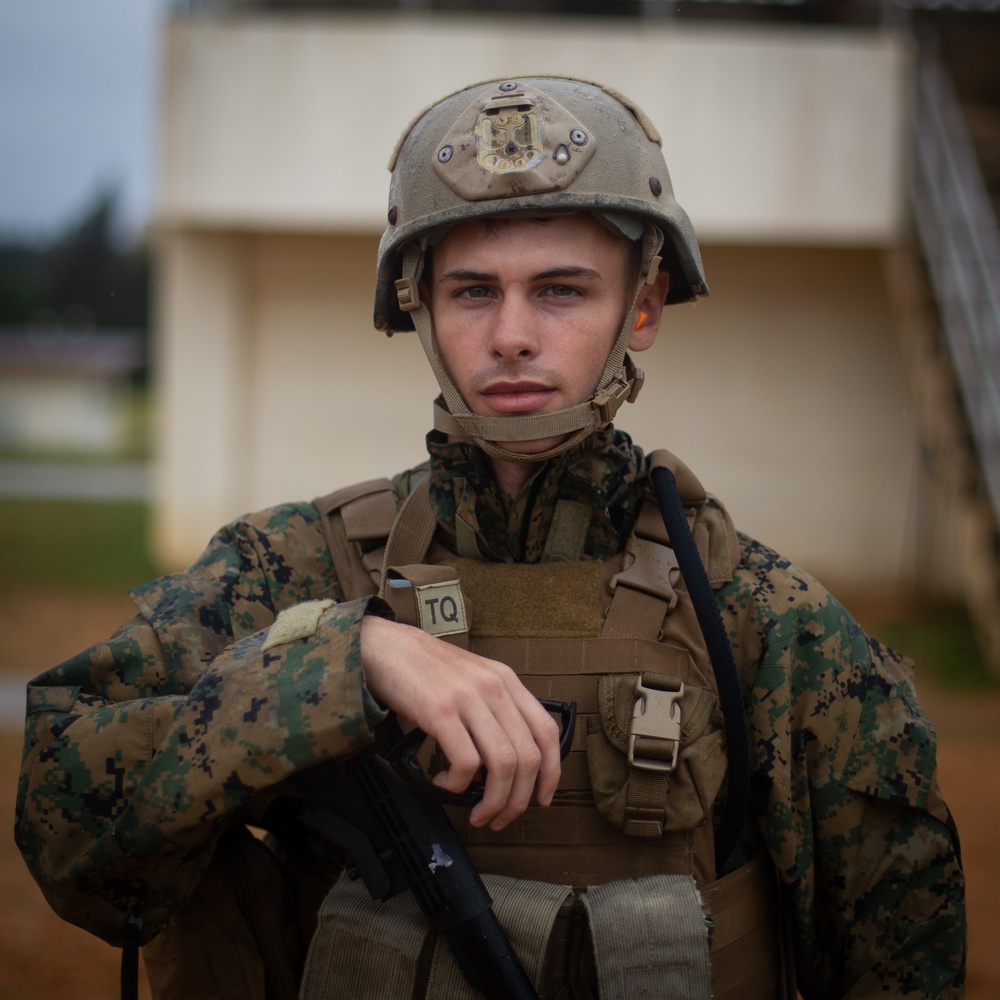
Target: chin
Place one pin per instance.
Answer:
(532, 447)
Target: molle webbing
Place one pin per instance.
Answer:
(747, 960)
(651, 938)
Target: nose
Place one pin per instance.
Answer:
(514, 330)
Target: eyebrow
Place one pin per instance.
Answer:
(567, 271)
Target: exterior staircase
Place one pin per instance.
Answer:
(946, 286)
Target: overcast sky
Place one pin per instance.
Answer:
(78, 85)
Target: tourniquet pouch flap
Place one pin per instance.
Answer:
(656, 754)
(527, 911)
(650, 938)
(361, 945)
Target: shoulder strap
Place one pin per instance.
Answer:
(712, 527)
(670, 498)
(413, 530)
(356, 523)
(643, 592)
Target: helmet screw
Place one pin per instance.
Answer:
(578, 137)
(507, 87)
(655, 186)
(561, 155)
(445, 153)
(392, 215)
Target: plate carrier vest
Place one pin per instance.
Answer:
(635, 800)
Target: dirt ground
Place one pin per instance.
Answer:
(40, 956)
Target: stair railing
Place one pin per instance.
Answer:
(961, 243)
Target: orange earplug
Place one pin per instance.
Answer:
(640, 319)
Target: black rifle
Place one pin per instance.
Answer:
(388, 817)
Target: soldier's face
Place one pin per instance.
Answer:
(527, 311)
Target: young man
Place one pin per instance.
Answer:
(533, 238)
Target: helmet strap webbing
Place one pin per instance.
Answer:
(620, 379)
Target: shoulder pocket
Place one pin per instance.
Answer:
(892, 755)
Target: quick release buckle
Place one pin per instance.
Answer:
(655, 734)
(650, 568)
(608, 401)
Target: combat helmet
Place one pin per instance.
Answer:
(537, 146)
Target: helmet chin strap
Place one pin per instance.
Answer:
(620, 380)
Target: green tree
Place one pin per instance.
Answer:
(81, 278)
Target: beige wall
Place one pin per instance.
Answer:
(783, 391)
(771, 134)
(786, 390)
(272, 384)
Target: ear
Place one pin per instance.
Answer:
(648, 311)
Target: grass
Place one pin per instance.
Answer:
(942, 642)
(74, 544)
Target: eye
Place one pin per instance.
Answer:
(474, 292)
(562, 291)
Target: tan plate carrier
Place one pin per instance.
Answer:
(634, 804)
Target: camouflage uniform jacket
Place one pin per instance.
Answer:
(143, 749)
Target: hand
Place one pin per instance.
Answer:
(478, 710)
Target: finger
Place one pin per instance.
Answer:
(547, 734)
(458, 746)
(539, 764)
(503, 764)
(528, 728)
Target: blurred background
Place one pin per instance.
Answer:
(191, 199)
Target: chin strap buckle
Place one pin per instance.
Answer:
(623, 389)
(638, 378)
(653, 270)
(608, 401)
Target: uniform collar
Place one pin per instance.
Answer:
(601, 475)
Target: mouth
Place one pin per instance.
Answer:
(517, 396)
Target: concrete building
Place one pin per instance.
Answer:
(785, 390)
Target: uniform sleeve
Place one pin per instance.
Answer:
(848, 803)
(141, 751)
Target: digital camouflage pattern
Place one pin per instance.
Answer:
(844, 791)
(603, 477)
(141, 751)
